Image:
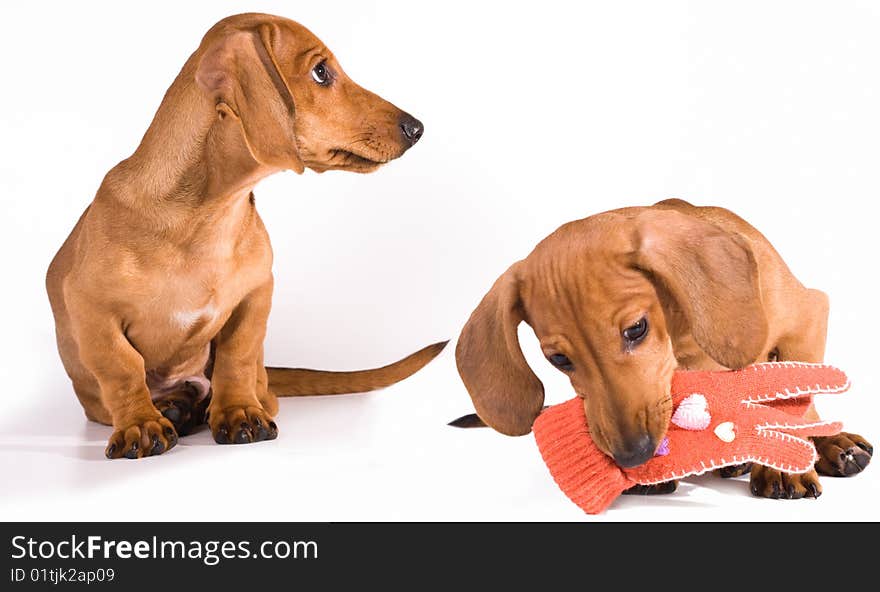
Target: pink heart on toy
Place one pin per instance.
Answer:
(692, 413)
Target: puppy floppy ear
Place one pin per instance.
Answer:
(712, 276)
(242, 76)
(506, 393)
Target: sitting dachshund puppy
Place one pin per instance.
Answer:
(622, 299)
(162, 291)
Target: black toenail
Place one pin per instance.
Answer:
(261, 432)
(866, 447)
(754, 488)
(222, 435)
(158, 447)
(814, 490)
(244, 435)
(110, 451)
(132, 452)
(777, 490)
(171, 436)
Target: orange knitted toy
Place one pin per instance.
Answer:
(719, 419)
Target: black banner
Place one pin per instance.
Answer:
(43, 556)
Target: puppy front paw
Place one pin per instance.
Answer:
(149, 438)
(843, 455)
(241, 425)
(767, 482)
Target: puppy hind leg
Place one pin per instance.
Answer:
(804, 341)
(184, 407)
(89, 394)
(842, 455)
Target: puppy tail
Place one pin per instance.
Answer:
(296, 382)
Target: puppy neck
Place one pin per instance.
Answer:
(190, 157)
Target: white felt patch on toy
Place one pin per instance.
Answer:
(726, 431)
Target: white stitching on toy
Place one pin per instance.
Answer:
(795, 426)
(694, 470)
(767, 365)
(798, 392)
(783, 436)
(769, 430)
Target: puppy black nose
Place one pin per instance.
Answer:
(638, 452)
(412, 128)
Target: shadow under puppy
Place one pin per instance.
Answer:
(162, 291)
(621, 300)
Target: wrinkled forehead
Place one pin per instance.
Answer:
(583, 266)
(300, 46)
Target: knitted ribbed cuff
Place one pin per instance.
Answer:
(584, 473)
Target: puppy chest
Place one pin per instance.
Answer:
(194, 319)
(179, 314)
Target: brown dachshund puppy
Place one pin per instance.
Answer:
(619, 301)
(162, 291)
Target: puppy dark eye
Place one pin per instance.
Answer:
(635, 333)
(561, 361)
(320, 74)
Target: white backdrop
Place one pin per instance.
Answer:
(535, 114)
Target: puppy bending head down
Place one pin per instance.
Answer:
(622, 299)
(162, 291)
